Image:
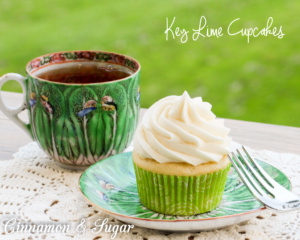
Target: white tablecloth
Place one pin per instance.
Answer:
(34, 189)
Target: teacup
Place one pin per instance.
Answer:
(78, 123)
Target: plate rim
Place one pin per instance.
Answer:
(167, 220)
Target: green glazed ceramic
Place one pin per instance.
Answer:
(79, 124)
(111, 186)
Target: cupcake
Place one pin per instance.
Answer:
(180, 157)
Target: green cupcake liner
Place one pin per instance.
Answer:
(180, 195)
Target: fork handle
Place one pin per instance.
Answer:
(292, 205)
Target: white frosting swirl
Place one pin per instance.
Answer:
(181, 129)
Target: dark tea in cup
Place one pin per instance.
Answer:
(84, 72)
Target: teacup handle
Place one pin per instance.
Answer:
(12, 112)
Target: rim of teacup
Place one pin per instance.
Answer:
(30, 72)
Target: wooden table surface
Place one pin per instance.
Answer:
(255, 135)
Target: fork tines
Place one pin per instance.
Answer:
(261, 185)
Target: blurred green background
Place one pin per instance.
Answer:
(256, 81)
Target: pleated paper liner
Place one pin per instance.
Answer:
(180, 195)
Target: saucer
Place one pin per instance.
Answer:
(111, 186)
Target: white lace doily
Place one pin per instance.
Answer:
(33, 189)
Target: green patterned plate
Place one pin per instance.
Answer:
(111, 185)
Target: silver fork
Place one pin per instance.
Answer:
(262, 186)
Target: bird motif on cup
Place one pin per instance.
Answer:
(47, 105)
(89, 106)
(139, 94)
(109, 108)
(108, 104)
(32, 100)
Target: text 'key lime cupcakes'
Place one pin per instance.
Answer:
(180, 157)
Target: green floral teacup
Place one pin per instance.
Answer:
(78, 124)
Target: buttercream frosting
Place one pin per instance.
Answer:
(182, 129)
